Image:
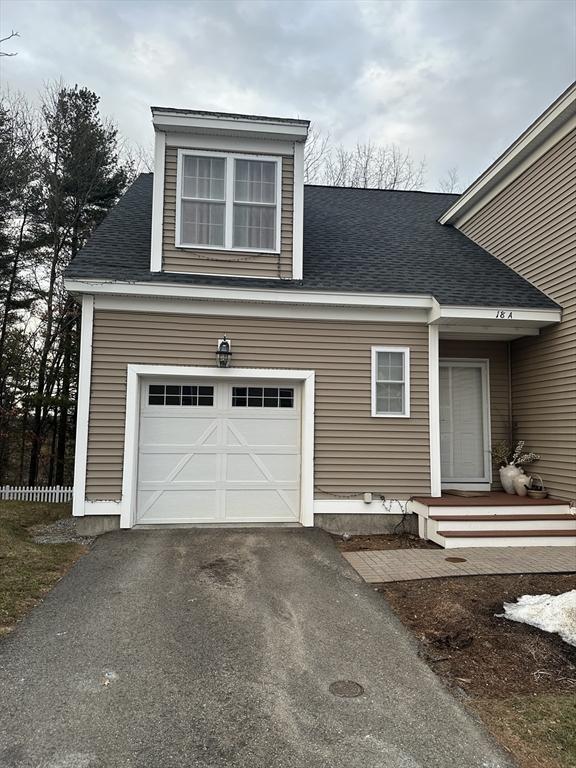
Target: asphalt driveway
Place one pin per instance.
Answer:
(211, 648)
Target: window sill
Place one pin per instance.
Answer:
(220, 248)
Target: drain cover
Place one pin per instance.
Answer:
(346, 689)
(455, 559)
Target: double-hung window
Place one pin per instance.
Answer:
(391, 381)
(229, 202)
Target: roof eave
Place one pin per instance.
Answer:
(552, 125)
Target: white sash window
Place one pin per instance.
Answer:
(229, 202)
(391, 381)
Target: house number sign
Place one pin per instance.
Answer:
(503, 314)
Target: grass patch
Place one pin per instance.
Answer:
(539, 730)
(29, 570)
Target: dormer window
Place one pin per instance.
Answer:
(228, 202)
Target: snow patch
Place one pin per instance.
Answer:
(552, 613)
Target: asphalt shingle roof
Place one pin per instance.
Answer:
(357, 240)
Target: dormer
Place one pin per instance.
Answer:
(228, 194)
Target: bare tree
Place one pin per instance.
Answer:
(5, 40)
(450, 182)
(369, 165)
(315, 152)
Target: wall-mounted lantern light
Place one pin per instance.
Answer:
(223, 353)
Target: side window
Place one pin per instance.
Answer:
(391, 381)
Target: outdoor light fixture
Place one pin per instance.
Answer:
(223, 353)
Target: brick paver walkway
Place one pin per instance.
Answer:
(409, 564)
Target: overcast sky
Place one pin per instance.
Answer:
(453, 81)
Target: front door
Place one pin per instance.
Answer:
(464, 422)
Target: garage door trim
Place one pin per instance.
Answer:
(132, 426)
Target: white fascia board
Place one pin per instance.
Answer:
(555, 123)
(511, 315)
(158, 202)
(116, 302)
(174, 121)
(229, 143)
(276, 296)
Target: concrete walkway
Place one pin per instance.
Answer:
(376, 566)
(216, 649)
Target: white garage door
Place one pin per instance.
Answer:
(219, 452)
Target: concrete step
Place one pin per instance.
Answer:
(506, 538)
(502, 523)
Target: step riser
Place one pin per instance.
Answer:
(562, 509)
(502, 525)
(515, 541)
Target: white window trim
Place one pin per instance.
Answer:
(230, 158)
(406, 353)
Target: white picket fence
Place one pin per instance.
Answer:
(56, 493)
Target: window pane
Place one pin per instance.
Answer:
(172, 399)
(255, 181)
(390, 366)
(254, 227)
(202, 223)
(390, 398)
(203, 177)
(155, 399)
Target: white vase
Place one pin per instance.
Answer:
(521, 483)
(507, 475)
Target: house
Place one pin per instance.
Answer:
(257, 350)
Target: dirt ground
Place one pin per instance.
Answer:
(519, 680)
(382, 541)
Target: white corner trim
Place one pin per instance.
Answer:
(548, 129)
(434, 409)
(298, 214)
(131, 434)
(374, 370)
(158, 202)
(83, 408)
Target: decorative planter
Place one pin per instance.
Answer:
(507, 475)
(521, 483)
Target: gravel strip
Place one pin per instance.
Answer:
(61, 532)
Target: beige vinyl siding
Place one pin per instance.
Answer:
(531, 226)
(240, 263)
(354, 452)
(496, 352)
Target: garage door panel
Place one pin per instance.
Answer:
(218, 463)
(265, 504)
(258, 431)
(177, 429)
(263, 466)
(178, 506)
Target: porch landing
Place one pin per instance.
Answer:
(495, 519)
(377, 566)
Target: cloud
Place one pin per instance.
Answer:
(454, 81)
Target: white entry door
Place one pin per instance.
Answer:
(464, 422)
(214, 452)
